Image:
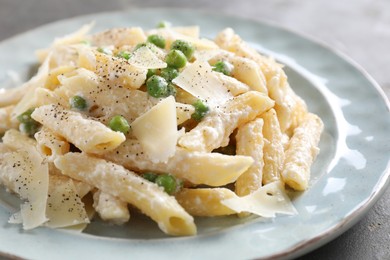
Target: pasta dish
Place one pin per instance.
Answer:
(160, 121)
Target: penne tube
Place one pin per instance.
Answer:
(212, 169)
(86, 134)
(273, 152)
(50, 144)
(214, 130)
(117, 181)
(301, 152)
(249, 142)
(205, 202)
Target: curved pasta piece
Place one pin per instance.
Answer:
(117, 181)
(214, 130)
(86, 134)
(301, 152)
(212, 169)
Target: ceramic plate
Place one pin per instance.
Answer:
(348, 176)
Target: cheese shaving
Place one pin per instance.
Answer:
(199, 80)
(266, 201)
(156, 130)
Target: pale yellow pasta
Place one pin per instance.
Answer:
(110, 208)
(273, 147)
(86, 134)
(249, 142)
(29, 100)
(115, 180)
(288, 105)
(214, 130)
(213, 169)
(205, 202)
(50, 144)
(301, 152)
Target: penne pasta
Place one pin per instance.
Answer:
(301, 152)
(164, 120)
(117, 181)
(86, 134)
(273, 152)
(249, 142)
(205, 202)
(215, 129)
(212, 169)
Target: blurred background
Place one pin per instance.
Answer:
(360, 29)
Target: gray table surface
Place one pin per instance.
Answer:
(360, 29)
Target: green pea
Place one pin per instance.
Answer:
(176, 59)
(124, 54)
(163, 24)
(200, 110)
(224, 67)
(183, 46)
(171, 90)
(27, 124)
(157, 40)
(151, 72)
(169, 73)
(29, 128)
(168, 182)
(25, 117)
(150, 176)
(119, 124)
(157, 86)
(78, 103)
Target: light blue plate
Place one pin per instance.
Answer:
(350, 173)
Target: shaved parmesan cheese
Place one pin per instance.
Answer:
(64, 206)
(266, 201)
(25, 173)
(75, 37)
(144, 58)
(156, 130)
(199, 80)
